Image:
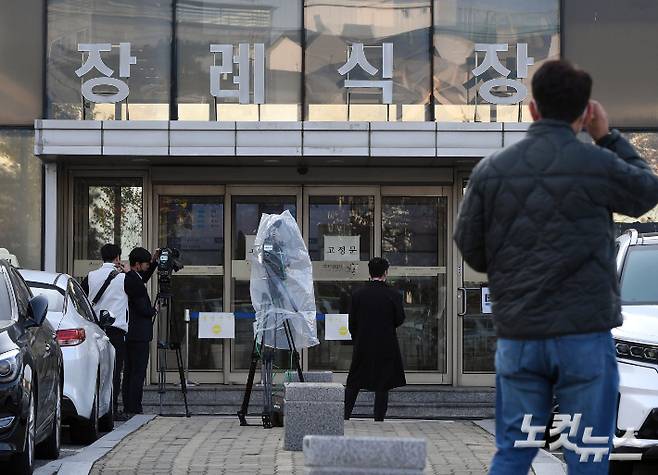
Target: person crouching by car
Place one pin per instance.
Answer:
(140, 327)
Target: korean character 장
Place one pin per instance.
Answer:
(491, 60)
(357, 57)
(242, 78)
(94, 61)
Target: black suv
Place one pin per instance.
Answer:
(31, 377)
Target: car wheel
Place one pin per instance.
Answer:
(106, 423)
(49, 448)
(86, 431)
(23, 463)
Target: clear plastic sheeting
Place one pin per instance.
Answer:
(282, 284)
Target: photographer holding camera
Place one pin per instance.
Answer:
(140, 327)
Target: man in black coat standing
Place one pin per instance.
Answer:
(376, 312)
(140, 327)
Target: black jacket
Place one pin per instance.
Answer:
(537, 217)
(140, 310)
(376, 311)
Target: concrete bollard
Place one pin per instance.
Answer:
(312, 408)
(311, 377)
(327, 455)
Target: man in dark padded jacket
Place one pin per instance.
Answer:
(537, 217)
(140, 327)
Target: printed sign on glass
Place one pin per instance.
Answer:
(357, 57)
(223, 54)
(342, 248)
(336, 327)
(486, 300)
(492, 61)
(216, 325)
(95, 61)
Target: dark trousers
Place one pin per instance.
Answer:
(118, 339)
(134, 373)
(381, 402)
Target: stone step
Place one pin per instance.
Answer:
(418, 402)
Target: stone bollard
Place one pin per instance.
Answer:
(311, 377)
(329, 455)
(312, 408)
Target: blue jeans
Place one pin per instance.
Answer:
(581, 370)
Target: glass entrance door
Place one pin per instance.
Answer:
(247, 204)
(477, 336)
(191, 219)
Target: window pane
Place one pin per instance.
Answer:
(20, 199)
(145, 24)
(54, 296)
(647, 146)
(195, 226)
(105, 211)
(274, 23)
(332, 27)
(5, 303)
(410, 230)
(460, 24)
(21, 53)
(625, 75)
(638, 278)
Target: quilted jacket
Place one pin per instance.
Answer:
(537, 217)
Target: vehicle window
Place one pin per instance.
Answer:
(639, 276)
(54, 294)
(21, 291)
(5, 303)
(80, 302)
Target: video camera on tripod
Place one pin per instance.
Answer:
(168, 263)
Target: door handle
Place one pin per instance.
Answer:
(462, 291)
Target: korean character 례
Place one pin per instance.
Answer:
(242, 79)
(357, 57)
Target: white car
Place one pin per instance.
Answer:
(87, 351)
(636, 343)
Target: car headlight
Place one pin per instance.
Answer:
(9, 366)
(636, 351)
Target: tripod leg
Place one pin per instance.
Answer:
(181, 375)
(162, 374)
(293, 348)
(242, 413)
(266, 371)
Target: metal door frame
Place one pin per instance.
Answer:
(462, 378)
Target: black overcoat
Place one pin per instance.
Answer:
(376, 311)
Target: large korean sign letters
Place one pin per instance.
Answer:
(492, 61)
(95, 61)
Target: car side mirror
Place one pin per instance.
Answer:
(106, 319)
(37, 310)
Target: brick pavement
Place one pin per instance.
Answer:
(218, 445)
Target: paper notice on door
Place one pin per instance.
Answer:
(486, 300)
(342, 248)
(336, 327)
(249, 244)
(216, 325)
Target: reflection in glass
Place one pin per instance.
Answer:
(20, 199)
(246, 214)
(198, 293)
(331, 27)
(107, 211)
(195, 226)
(646, 144)
(276, 24)
(414, 230)
(422, 336)
(460, 24)
(341, 216)
(21, 53)
(146, 25)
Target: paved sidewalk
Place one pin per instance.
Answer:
(213, 445)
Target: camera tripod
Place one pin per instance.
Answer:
(258, 351)
(164, 300)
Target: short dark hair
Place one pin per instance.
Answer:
(138, 255)
(109, 252)
(377, 266)
(561, 90)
